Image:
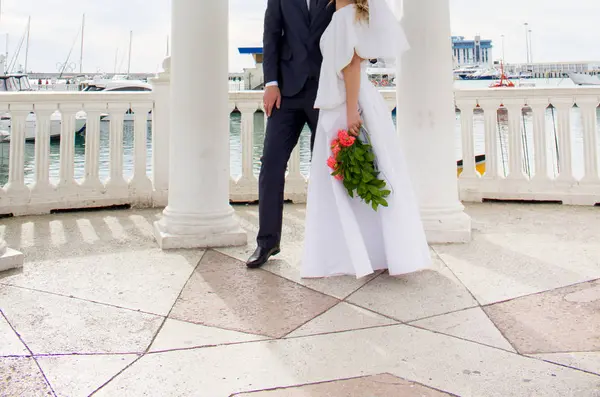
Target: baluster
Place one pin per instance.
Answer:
(161, 132)
(515, 142)
(563, 109)
(294, 166)
(140, 180)
(3, 158)
(92, 180)
(233, 190)
(43, 126)
(590, 139)
(117, 115)
(490, 122)
(16, 188)
(468, 145)
(391, 103)
(248, 110)
(67, 145)
(540, 140)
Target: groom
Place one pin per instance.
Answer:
(291, 63)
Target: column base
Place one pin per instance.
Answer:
(11, 260)
(447, 226)
(177, 230)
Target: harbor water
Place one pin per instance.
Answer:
(304, 144)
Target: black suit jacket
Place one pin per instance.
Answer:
(291, 42)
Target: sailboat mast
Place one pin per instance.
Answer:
(6, 59)
(6, 53)
(116, 59)
(27, 45)
(81, 55)
(129, 62)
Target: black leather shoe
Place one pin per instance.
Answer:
(261, 256)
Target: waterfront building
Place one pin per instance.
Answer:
(253, 77)
(554, 69)
(471, 52)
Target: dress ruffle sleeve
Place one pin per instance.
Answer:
(380, 37)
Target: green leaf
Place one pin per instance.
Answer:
(373, 190)
(374, 205)
(384, 202)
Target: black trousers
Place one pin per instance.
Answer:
(283, 131)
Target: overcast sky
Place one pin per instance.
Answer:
(562, 31)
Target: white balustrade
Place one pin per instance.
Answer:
(91, 181)
(16, 188)
(67, 184)
(511, 171)
(244, 189)
(540, 141)
(589, 108)
(116, 181)
(525, 165)
(161, 119)
(36, 115)
(140, 184)
(43, 113)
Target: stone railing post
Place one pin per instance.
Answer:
(161, 132)
(9, 258)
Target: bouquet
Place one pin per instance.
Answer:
(352, 162)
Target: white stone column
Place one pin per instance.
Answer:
(426, 118)
(198, 214)
(9, 258)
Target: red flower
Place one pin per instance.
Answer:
(332, 163)
(345, 139)
(339, 177)
(336, 150)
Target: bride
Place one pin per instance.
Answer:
(345, 236)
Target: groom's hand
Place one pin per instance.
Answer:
(272, 98)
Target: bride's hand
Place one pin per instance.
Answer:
(354, 123)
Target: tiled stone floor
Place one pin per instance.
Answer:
(99, 310)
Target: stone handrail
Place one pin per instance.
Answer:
(42, 196)
(528, 176)
(537, 162)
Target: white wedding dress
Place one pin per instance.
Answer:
(345, 236)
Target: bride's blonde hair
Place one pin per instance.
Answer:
(362, 9)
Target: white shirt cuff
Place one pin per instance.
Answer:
(271, 83)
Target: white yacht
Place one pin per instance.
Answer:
(21, 83)
(118, 85)
(584, 79)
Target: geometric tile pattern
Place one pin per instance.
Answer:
(343, 317)
(79, 376)
(177, 334)
(585, 361)
(52, 324)
(470, 324)
(377, 385)
(10, 345)
(223, 293)
(22, 377)
(414, 296)
(99, 310)
(519, 250)
(562, 320)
